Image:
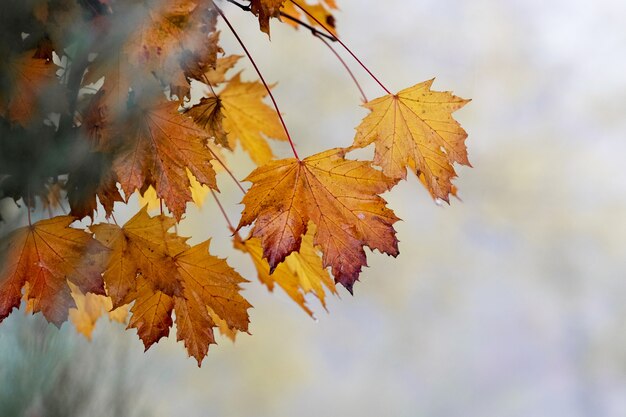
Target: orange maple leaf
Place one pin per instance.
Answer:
(162, 144)
(48, 255)
(161, 273)
(415, 129)
(341, 197)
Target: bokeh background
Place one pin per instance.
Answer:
(509, 303)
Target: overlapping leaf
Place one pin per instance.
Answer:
(162, 274)
(340, 196)
(414, 129)
(162, 145)
(27, 78)
(240, 113)
(48, 255)
(301, 273)
(90, 308)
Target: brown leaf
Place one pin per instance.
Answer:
(339, 196)
(208, 114)
(266, 9)
(162, 145)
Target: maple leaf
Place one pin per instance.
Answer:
(248, 120)
(209, 115)
(339, 196)
(29, 78)
(48, 255)
(162, 145)
(89, 308)
(300, 274)
(415, 129)
(162, 274)
(266, 9)
(144, 246)
(217, 75)
(199, 192)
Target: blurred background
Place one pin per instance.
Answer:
(509, 303)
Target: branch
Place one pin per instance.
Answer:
(313, 30)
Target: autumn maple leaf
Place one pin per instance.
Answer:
(161, 274)
(266, 9)
(415, 129)
(91, 307)
(162, 145)
(239, 112)
(48, 255)
(28, 77)
(301, 273)
(340, 196)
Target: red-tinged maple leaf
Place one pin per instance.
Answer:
(160, 273)
(415, 129)
(340, 196)
(28, 78)
(162, 144)
(300, 274)
(266, 9)
(48, 255)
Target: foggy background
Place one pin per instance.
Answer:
(509, 303)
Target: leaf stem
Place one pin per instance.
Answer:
(363, 96)
(227, 170)
(343, 45)
(313, 30)
(269, 91)
(221, 207)
(28, 208)
(290, 17)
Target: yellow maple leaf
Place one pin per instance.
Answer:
(248, 120)
(89, 308)
(415, 129)
(300, 274)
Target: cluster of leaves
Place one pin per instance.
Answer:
(95, 106)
